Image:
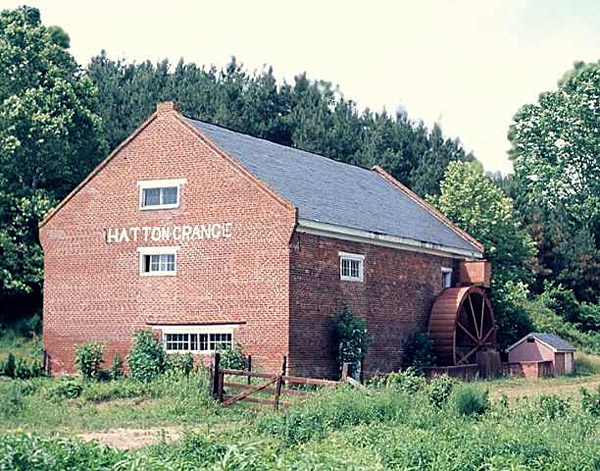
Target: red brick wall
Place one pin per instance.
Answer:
(93, 290)
(396, 297)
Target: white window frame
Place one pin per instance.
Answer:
(196, 329)
(446, 272)
(146, 251)
(352, 257)
(153, 184)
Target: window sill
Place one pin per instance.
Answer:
(355, 280)
(159, 207)
(154, 274)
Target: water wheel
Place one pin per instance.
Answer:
(461, 324)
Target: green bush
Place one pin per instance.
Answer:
(590, 401)
(351, 337)
(409, 380)
(470, 401)
(89, 359)
(233, 358)
(181, 363)
(147, 358)
(26, 369)
(116, 368)
(417, 350)
(439, 390)
(68, 388)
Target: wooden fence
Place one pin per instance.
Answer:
(277, 389)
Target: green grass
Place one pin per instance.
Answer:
(19, 346)
(349, 429)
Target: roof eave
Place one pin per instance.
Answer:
(386, 240)
(433, 211)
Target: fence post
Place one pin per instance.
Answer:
(215, 375)
(345, 367)
(278, 391)
(249, 366)
(284, 365)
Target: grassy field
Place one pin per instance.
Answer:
(173, 424)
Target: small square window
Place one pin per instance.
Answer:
(160, 194)
(158, 264)
(351, 267)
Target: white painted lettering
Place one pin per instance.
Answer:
(146, 231)
(156, 233)
(124, 237)
(135, 231)
(216, 231)
(205, 231)
(186, 231)
(227, 229)
(197, 233)
(177, 233)
(165, 233)
(112, 237)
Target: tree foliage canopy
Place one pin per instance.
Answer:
(50, 138)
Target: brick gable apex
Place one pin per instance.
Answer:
(168, 111)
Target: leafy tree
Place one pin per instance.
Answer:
(49, 136)
(50, 139)
(308, 114)
(555, 153)
(477, 205)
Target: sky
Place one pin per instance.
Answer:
(468, 65)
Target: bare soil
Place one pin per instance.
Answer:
(131, 438)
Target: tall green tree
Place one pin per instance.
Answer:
(555, 150)
(50, 138)
(478, 205)
(307, 114)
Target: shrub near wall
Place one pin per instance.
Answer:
(147, 358)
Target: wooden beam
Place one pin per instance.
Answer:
(238, 397)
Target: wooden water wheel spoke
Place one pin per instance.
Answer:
(458, 323)
(482, 313)
(473, 315)
(464, 358)
(488, 334)
(458, 335)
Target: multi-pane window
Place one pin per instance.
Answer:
(160, 194)
(152, 197)
(197, 342)
(351, 267)
(158, 263)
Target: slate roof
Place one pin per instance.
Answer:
(332, 192)
(553, 341)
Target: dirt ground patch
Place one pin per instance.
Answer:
(131, 438)
(535, 387)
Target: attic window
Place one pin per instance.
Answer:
(160, 194)
(530, 340)
(351, 266)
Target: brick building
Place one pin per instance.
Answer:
(210, 237)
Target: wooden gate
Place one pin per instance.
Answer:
(276, 390)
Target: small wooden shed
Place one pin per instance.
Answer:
(544, 347)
